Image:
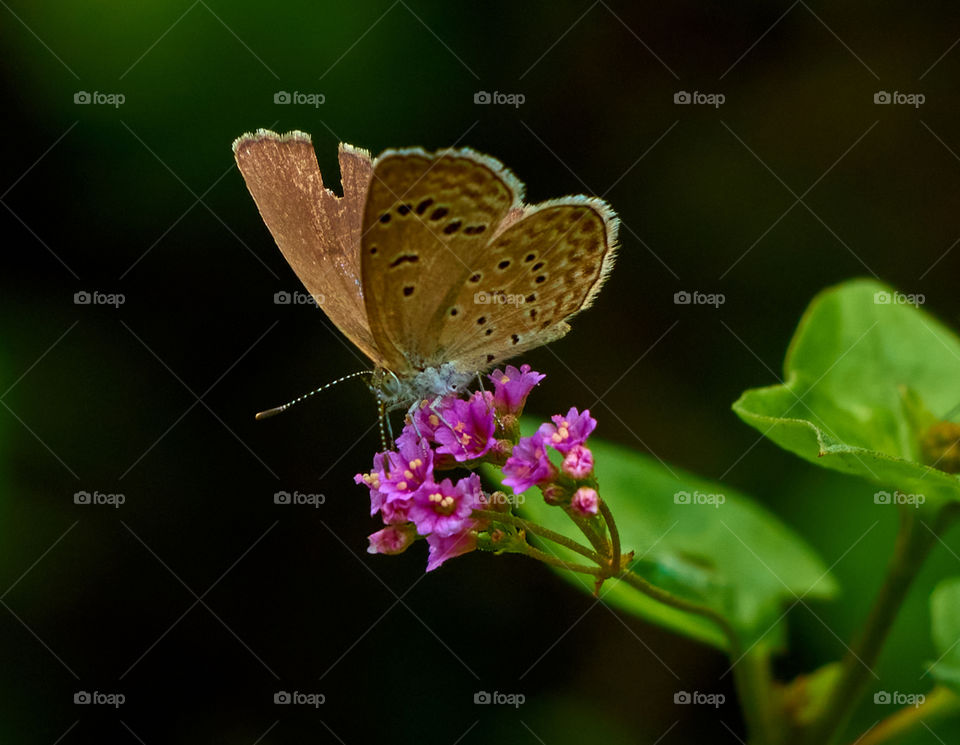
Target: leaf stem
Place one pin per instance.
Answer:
(753, 680)
(941, 702)
(914, 541)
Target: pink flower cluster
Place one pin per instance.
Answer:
(529, 464)
(404, 489)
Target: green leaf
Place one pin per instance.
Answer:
(731, 555)
(945, 628)
(863, 379)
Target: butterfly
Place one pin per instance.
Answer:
(430, 263)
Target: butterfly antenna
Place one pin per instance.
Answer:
(280, 409)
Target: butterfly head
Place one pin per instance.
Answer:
(395, 391)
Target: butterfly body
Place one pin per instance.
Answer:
(430, 263)
(432, 383)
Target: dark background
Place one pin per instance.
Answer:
(199, 598)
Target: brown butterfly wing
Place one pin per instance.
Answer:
(427, 222)
(317, 231)
(535, 275)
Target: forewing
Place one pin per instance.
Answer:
(317, 231)
(427, 223)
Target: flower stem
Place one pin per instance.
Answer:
(667, 598)
(599, 542)
(940, 703)
(614, 534)
(539, 555)
(751, 669)
(914, 542)
(536, 529)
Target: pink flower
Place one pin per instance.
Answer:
(578, 462)
(470, 429)
(568, 431)
(373, 480)
(444, 509)
(394, 539)
(448, 547)
(528, 465)
(586, 501)
(511, 388)
(425, 421)
(410, 466)
(396, 508)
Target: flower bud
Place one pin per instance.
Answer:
(394, 539)
(554, 494)
(578, 462)
(586, 501)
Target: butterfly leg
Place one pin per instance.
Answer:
(436, 410)
(483, 390)
(386, 428)
(411, 415)
(386, 417)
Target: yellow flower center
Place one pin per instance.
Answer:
(442, 504)
(562, 433)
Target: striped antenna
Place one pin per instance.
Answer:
(280, 409)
